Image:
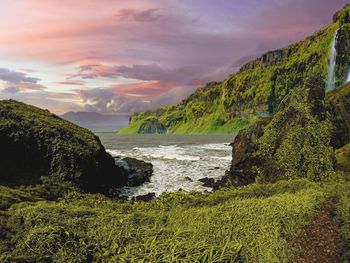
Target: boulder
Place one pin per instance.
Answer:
(152, 126)
(144, 198)
(138, 171)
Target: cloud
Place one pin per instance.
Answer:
(71, 82)
(54, 101)
(162, 47)
(148, 15)
(15, 76)
(10, 90)
(107, 100)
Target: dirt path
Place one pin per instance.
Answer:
(319, 241)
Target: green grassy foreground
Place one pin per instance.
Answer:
(249, 224)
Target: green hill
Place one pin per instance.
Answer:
(39, 148)
(257, 89)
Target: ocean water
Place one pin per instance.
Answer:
(178, 160)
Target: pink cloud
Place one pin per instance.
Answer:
(166, 46)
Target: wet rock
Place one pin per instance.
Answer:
(188, 179)
(138, 171)
(144, 198)
(207, 182)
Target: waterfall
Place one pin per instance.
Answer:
(348, 78)
(331, 73)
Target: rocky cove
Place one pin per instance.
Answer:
(252, 169)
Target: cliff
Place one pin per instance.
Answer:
(259, 86)
(307, 137)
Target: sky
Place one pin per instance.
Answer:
(124, 56)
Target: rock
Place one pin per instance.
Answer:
(40, 148)
(152, 126)
(207, 182)
(245, 144)
(188, 179)
(144, 198)
(138, 171)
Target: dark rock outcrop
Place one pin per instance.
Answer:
(152, 126)
(144, 198)
(208, 182)
(138, 171)
(40, 148)
(245, 144)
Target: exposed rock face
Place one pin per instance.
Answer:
(295, 143)
(38, 147)
(138, 171)
(144, 198)
(242, 170)
(152, 126)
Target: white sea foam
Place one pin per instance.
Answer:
(178, 166)
(171, 152)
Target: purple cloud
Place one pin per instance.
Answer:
(15, 76)
(10, 90)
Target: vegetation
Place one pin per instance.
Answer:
(45, 152)
(249, 224)
(301, 155)
(256, 90)
(297, 141)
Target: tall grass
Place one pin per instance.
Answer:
(250, 224)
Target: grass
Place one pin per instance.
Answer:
(250, 224)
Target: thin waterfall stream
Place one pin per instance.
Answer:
(332, 63)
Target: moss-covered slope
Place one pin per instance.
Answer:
(299, 140)
(38, 147)
(259, 86)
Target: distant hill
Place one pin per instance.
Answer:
(95, 121)
(259, 86)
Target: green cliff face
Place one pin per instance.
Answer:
(308, 136)
(39, 148)
(258, 88)
(297, 141)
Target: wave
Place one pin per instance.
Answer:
(172, 152)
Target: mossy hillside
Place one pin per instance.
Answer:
(250, 224)
(338, 100)
(256, 90)
(343, 158)
(10, 196)
(297, 141)
(39, 148)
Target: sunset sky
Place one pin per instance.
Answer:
(116, 56)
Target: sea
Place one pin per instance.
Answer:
(179, 161)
